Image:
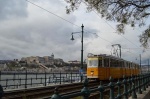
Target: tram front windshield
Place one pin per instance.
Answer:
(92, 63)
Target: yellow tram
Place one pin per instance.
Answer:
(103, 66)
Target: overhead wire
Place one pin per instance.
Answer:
(111, 26)
(114, 29)
(59, 17)
(51, 12)
(64, 18)
(75, 24)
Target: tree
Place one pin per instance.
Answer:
(125, 12)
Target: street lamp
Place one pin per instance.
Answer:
(81, 44)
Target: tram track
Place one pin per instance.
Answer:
(94, 95)
(40, 92)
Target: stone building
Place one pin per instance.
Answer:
(45, 60)
(33, 59)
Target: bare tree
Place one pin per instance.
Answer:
(125, 12)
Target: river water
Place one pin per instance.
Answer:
(23, 80)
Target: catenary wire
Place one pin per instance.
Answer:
(59, 17)
(110, 25)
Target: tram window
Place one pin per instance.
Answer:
(106, 62)
(116, 64)
(121, 65)
(135, 66)
(128, 65)
(125, 63)
(100, 63)
(131, 65)
(112, 63)
(93, 63)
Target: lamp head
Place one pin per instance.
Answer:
(72, 38)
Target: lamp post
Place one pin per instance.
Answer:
(148, 65)
(81, 44)
(140, 64)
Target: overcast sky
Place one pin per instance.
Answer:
(27, 30)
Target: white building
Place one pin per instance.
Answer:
(45, 60)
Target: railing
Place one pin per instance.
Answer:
(130, 86)
(26, 79)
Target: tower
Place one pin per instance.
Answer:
(52, 56)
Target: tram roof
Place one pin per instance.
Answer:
(106, 56)
(90, 55)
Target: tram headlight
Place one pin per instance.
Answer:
(92, 73)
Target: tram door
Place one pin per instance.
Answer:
(107, 68)
(92, 68)
(103, 68)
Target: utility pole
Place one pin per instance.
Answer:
(81, 44)
(148, 65)
(140, 64)
(82, 47)
(120, 49)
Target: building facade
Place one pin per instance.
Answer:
(45, 60)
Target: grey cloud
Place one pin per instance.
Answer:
(12, 8)
(38, 36)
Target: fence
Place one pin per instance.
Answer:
(130, 85)
(26, 79)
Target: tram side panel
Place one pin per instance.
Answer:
(127, 72)
(121, 72)
(108, 73)
(103, 73)
(132, 71)
(92, 72)
(137, 70)
(101, 67)
(124, 72)
(115, 72)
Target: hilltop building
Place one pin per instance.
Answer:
(45, 60)
(74, 62)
